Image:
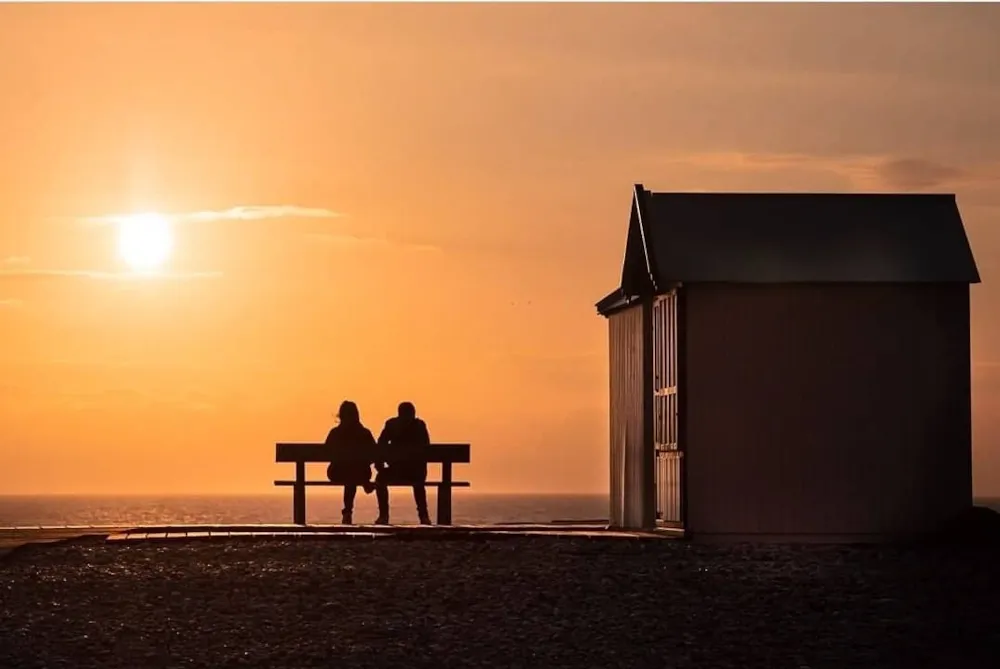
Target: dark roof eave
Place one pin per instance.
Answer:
(614, 301)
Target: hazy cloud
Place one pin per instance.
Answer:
(79, 398)
(242, 213)
(9, 303)
(863, 172)
(19, 267)
(344, 239)
(916, 174)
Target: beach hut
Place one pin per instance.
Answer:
(791, 366)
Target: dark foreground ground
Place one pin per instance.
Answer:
(524, 602)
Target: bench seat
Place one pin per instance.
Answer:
(429, 484)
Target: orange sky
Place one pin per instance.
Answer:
(467, 173)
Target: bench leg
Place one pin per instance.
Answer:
(444, 505)
(299, 495)
(444, 496)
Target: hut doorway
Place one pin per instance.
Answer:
(668, 465)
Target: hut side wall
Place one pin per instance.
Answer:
(631, 459)
(826, 410)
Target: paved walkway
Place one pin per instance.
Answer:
(374, 531)
(12, 537)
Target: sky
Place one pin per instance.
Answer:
(419, 202)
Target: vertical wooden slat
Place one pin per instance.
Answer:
(646, 452)
(668, 460)
(616, 429)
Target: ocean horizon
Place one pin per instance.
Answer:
(323, 507)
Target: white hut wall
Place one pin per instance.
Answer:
(631, 464)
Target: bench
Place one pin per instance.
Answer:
(444, 454)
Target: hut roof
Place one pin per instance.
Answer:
(791, 238)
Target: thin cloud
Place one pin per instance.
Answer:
(15, 261)
(10, 303)
(103, 275)
(264, 212)
(254, 213)
(241, 213)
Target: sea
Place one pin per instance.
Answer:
(467, 508)
(322, 507)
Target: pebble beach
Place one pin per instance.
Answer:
(496, 602)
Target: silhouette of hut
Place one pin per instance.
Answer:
(791, 365)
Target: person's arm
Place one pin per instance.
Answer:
(383, 437)
(423, 440)
(379, 448)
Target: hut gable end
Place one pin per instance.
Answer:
(636, 270)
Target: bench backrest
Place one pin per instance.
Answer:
(436, 453)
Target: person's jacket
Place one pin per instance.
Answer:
(355, 445)
(403, 435)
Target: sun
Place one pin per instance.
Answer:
(144, 241)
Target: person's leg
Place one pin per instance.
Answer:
(382, 495)
(420, 497)
(350, 492)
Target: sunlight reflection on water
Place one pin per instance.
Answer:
(323, 507)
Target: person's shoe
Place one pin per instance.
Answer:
(425, 519)
(368, 487)
(382, 520)
(347, 518)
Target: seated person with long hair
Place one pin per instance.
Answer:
(352, 453)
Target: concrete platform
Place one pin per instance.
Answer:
(12, 537)
(456, 532)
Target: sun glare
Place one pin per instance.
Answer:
(144, 241)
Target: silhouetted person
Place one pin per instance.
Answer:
(353, 452)
(402, 460)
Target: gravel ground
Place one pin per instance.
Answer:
(518, 602)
